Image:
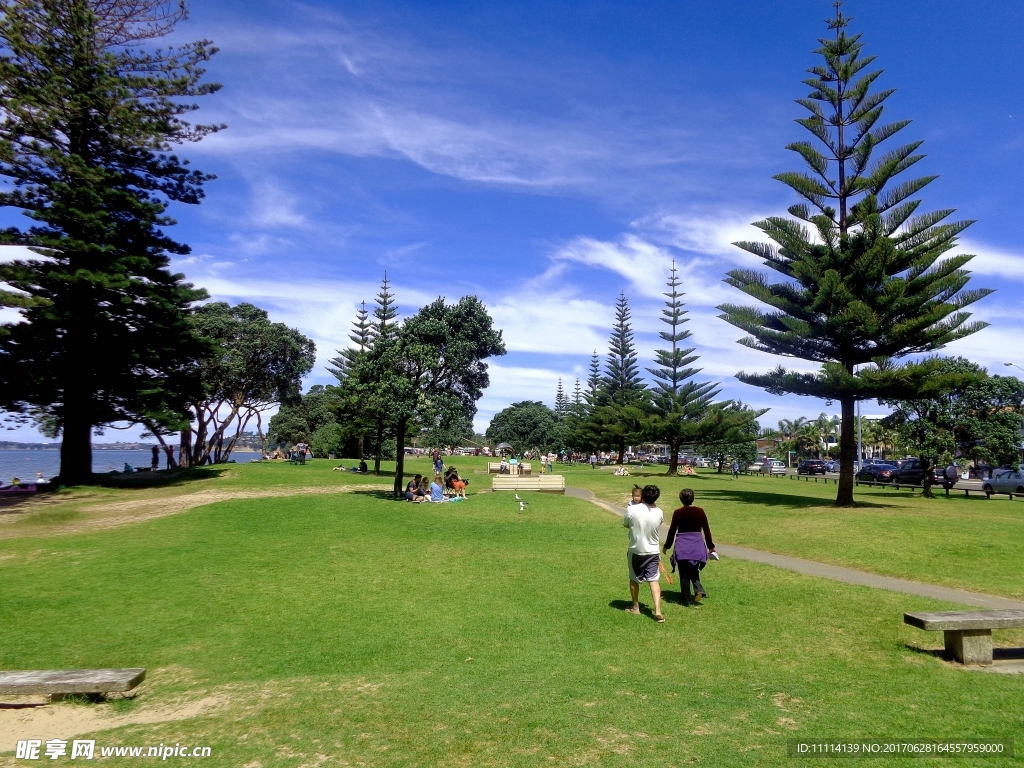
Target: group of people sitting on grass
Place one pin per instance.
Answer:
(689, 539)
(450, 487)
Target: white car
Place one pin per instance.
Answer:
(772, 467)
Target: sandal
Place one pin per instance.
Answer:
(659, 618)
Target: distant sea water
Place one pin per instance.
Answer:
(23, 463)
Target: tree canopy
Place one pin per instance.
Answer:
(527, 425)
(255, 364)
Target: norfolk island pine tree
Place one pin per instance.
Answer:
(621, 399)
(869, 285)
(678, 405)
(89, 118)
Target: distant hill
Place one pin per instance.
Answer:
(7, 445)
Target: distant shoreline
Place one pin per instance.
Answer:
(103, 447)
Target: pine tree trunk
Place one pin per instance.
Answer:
(622, 450)
(847, 452)
(400, 458)
(673, 458)
(76, 448)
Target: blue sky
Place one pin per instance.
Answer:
(546, 156)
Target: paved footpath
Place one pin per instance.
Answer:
(835, 572)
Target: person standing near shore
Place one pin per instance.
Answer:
(689, 536)
(642, 557)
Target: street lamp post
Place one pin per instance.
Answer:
(1014, 365)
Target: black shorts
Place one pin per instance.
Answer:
(644, 567)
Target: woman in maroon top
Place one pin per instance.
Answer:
(689, 536)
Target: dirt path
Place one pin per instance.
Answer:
(98, 516)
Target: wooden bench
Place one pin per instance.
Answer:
(968, 634)
(66, 682)
(544, 483)
(494, 468)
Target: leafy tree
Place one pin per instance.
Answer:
(255, 365)
(968, 413)
(730, 432)
(299, 420)
(870, 284)
(679, 406)
(617, 416)
(449, 426)
(989, 420)
(525, 426)
(435, 358)
(87, 124)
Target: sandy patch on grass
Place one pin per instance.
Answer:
(65, 721)
(105, 515)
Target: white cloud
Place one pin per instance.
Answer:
(551, 322)
(993, 262)
(712, 234)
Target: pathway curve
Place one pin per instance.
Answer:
(836, 572)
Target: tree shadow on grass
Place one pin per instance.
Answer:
(379, 494)
(778, 499)
(165, 479)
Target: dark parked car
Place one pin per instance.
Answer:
(880, 473)
(811, 467)
(911, 472)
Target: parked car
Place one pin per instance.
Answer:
(911, 472)
(811, 467)
(771, 467)
(1005, 481)
(831, 466)
(880, 473)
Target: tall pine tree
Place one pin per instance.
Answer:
(866, 281)
(361, 337)
(562, 405)
(384, 313)
(88, 121)
(618, 414)
(679, 406)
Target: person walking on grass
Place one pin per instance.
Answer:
(689, 538)
(593, 461)
(735, 469)
(642, 557)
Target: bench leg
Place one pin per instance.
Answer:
(969, 646)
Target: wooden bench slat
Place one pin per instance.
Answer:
(70, 680)
(957, 620)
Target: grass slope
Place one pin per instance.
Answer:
(353, 630)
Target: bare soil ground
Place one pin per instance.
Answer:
(54, 516)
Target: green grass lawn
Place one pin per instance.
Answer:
(972, 543)
(371, 632)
